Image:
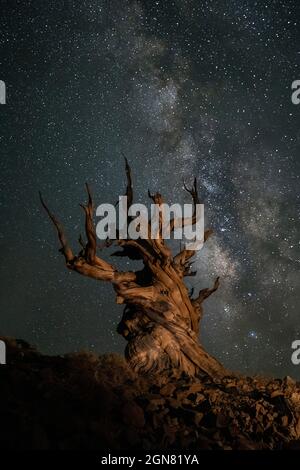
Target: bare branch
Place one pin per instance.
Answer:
(87, 263)
(183, 222)
(184, 255)
(81, 242)
(156, 240)
(90, 231)
(193, 191)
(129, 188)
(205, 293)
(65, 248)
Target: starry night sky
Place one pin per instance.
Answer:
(184, 88)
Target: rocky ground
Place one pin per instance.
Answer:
(85, 401)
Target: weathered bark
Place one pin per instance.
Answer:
(161, 319)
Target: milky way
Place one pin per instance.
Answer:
(184, 89)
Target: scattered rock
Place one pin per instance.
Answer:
(133, 414)
(96, 402)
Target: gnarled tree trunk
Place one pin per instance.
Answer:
(161, 319)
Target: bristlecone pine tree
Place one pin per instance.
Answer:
(161, 318)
